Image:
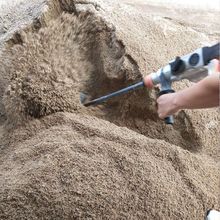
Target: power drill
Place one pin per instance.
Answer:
(194, 67)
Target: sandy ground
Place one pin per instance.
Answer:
(200, 17)
(205, 4)
(61, 160)
(185, 4)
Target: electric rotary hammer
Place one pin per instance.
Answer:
(194, 67)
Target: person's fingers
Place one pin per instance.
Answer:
(161, 114)
(160, 106)
(158, 100)
(165, 105)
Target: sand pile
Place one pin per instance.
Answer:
(45, 71)
(62, 160)
(84, 167)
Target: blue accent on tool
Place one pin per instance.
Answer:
(117, 93)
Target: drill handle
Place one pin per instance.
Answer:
(210, 53)
(170, 118)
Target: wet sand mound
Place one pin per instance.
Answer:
(46, 69)
(84, 167)
(117, 160)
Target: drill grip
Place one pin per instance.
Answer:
(170, 118)
(210, 53)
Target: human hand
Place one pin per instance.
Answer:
(167, 105)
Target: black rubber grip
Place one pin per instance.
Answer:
(210, 53)
(170, 119)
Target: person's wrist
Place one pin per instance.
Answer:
(177, 101)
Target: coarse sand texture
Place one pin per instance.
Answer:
(118, 160)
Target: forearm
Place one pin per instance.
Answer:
(204, 94)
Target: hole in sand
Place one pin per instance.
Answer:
(80, 52)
